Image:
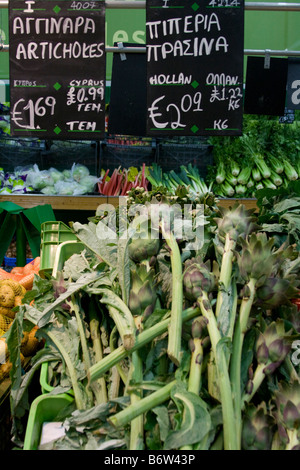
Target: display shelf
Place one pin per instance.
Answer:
(89, 203)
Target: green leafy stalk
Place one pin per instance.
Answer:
(238, 339)
(121, 315)
(136, 395)
(145, 404)
(174, 339)
(194, 383)
(112, 341)
(256, 381)
(100, 390)
(78, 396)
(293, 439)
(145, 337)
(85, 351)
(230, 437)
(226, 271)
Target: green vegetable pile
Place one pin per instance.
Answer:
(265, 156)
(168, 340)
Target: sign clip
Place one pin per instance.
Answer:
(121, 46)
(267, 59)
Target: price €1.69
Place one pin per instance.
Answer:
(26, 113)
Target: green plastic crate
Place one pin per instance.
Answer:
(64, 251)
(44, 409)
(52, 235)
(45, 386)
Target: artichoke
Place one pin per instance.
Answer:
(272, 346)
(199, 327)
(236, 222)
(142, 295)
(276, 291)
(287, 413)
(258, 428)
(257, 258)
(197, 277)
(141, 249)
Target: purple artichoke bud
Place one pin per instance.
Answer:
(262, 352)
(142, 295)
(258, 428)
(272, 346)
(257, 258)
(199, 327)
(249, 387)
(236, 222)
(197, 278)
(59, 286)
(275, 292)
(134, 303)
(270, 368)
(191, 345)
(278, 350)
(287, 398)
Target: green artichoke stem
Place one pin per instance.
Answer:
(112, 340)
(235, 364)
(230, 437)
(85, 351)
(123, 417)
(194, 382)
(137, 424)
(145, 337)
(257, 380)
(126, 331)
(226, 270)
(293, 439)
(174, 338)
(100, 390)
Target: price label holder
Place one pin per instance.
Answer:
(128, 94)
(265, 91)
(57, 68)
(195, 53)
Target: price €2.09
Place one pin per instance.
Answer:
(26, 113)
(187, 103)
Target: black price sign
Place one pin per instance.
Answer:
(195, 51)
(57, 68)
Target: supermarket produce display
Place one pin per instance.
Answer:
(265, 156)
(223, 378)
(161, 311)
(69, 182)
